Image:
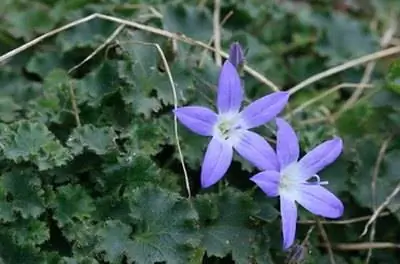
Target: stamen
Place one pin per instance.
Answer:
(318, 181)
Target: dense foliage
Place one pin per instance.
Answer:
(90, 170)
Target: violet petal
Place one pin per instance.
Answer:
(289, 219)
(216, 162)
(199, 119)
(264, 109)
(256, 150)
(287, 145)
(268, 181)
(320, 157)
(319, 201)
(230, 92)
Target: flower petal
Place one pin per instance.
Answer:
(256, 150)
(287, 145)
(289, 219)
(268, 181)
(320, 157)
(236, 56)
(199, 119)
(216, 162)
(264, 109)
(230, 92)
(320, 201)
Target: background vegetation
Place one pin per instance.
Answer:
(90, 172)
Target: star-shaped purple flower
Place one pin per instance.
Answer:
(229, 128)
(292, 181)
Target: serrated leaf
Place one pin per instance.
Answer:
(30, 141)
(393, 77)
(195, 22)
(72, 203)
(24, 188)
(229, 231)
(133, 171)
(114, 238)
(99, 140)
(101, 82)
(145, 80)
(8, 109)
(42, 63)
(29, 232)
(13, 254)
(345, 38)
(164, 222)
(77, 37)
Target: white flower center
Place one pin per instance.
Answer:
(228, 126)
(292, 178)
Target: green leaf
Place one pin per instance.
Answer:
(192, 21)
(13, 254)
(8, 109)
(393, 77)
(24, 189)
(165, 222)
(101, 82)
(114, 238)
(42, 63)
(145, 80)
(29, 232)
(99, 140)
(30, 141)
(72, 203)
(346, 38)
(225, 225)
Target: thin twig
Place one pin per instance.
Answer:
(380, 208)
(217, 32)
(323, 95)
(172, 84)
(342, 222)
(99, 48)
(74, 104)
(143, 27)
(204, 53)
(345, 66)
(384, 42)
(375, 174)
(326, 240)
(362, 246)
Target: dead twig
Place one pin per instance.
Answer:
(217, 32)
(326, 240)
(325, 94)
(342, 222)
(362, 246)
(347, 65)
(133, 24)
(384, 42)
(375, 174)
(381, 207)
(99, 48)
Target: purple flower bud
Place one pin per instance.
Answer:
(236, 56)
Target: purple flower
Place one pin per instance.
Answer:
(292, 182)
(236, 56)
(229, 128)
